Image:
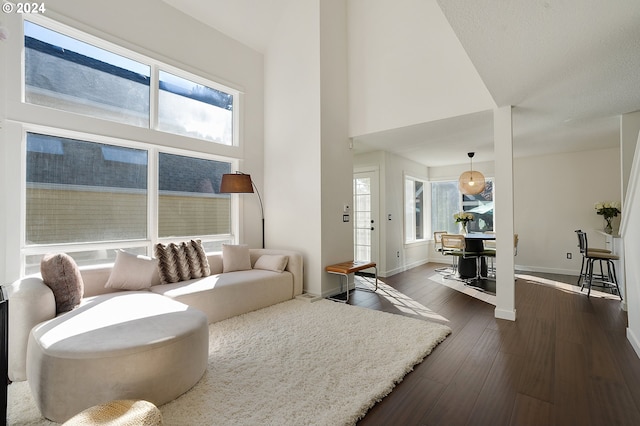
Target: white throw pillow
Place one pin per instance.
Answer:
(235, 258)
(133, 272)
(272, 262)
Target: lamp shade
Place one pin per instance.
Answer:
(471, 182)
(239, 183)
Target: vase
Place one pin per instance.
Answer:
(463, 228)
(607, 227)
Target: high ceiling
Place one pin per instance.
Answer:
(569, 68)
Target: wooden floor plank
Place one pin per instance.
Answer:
(495, 402)
(572, 382)
(458, 399)
(530, 412)
(407, 404)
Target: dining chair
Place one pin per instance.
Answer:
(582, 275)
(490, 252)
(453, 245)
(589, 257)
(437, 246)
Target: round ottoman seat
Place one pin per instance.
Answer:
(117, 346)
(118, 413)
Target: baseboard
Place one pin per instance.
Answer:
(633, 339)
(403, 268)
(524, 268)
(505, 314)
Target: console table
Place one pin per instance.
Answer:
(345, 268)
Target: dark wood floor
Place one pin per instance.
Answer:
(565, 361)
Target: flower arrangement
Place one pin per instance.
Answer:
(463, 218)
(609, 210)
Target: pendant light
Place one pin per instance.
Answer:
(470, 182)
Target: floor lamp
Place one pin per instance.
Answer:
(241, 183)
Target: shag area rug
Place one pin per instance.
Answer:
(295, 363)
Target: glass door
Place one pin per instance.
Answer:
(365, 209)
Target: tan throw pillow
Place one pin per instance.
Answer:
(272, 262)
(133, 272)
(181, 262)
(61, 274)
(235, 258)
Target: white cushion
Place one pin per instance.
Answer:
(272, 262)
(133, 272)
(235, 258)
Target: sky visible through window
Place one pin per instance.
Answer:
(69, 43)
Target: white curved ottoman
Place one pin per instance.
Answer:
(128, 345)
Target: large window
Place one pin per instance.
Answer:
(88, 198)
(72, 74)
(446, 200)
(90, 194)
(414, 209)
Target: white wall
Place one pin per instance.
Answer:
(553, 196)
(395, 83)
(153, 29)
(308, 164)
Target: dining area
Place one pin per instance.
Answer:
(472, 257)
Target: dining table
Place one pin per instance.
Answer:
(468, 266)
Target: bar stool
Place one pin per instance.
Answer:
(590, 256)
(583, 271)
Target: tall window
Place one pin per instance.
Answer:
(414, 202)
(446, 200)
(74, 75)
(88, 195)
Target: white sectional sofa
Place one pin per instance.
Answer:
(115, 333)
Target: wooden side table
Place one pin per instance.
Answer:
(350, 267)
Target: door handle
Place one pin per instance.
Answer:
(372, 228)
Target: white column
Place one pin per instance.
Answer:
(504, 227)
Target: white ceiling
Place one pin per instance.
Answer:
(569, 68)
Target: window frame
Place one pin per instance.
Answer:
(156, 65)
(409, 240)
(461, 202)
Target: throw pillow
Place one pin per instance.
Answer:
(61, 274)
(235, 258)
(181, 262)
(133, 272)
(272, 262)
